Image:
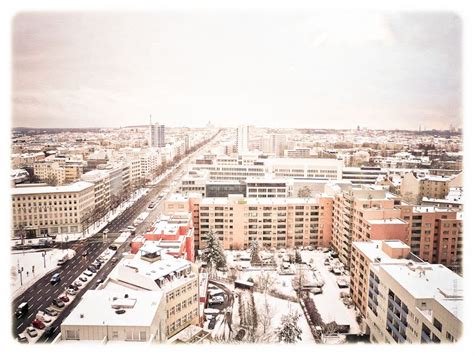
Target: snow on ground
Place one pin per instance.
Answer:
(279, 308)
(28, 260)
(329, 304)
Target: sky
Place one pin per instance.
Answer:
(320, 69)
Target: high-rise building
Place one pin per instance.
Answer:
(157, 135)
(242, 133)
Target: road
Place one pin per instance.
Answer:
(41, 293)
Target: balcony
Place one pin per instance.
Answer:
(425, 337)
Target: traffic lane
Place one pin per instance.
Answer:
(70, 272)
(101, 274)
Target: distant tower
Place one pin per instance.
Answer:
(157, 135)
(358, 128)
(242, 133)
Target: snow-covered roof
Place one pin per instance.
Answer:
(433, 281)
(96, 308)
(386, 221)
(373, 249)
(74, 187)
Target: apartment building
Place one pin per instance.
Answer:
(435, 234)
(50, 170)
(274, 222)
(117, 315)
(346, 202)
(362, 256)
(414, 303)
(101, 181)
(40, 210)
(363, 175)
(413, 186)
(151, 269)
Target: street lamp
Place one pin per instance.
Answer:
(43, 254)
(20, 271)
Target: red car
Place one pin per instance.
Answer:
(38, 324)
(64, 298)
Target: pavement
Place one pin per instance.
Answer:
(40, 295)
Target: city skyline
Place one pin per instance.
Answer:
(286, 70)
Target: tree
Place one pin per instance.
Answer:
(298, 257)
(213, 254)
(254, 253)
(305, 191)
(265, 316)
(289, 331)
(265, 282)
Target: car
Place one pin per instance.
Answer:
(97, 264)
(49, 331)
(212, 323)
(71, 291)
(316, 290)
(51, 312)
(85, 253)
(113, 247)
(43, 317)
(77, 284)
(58, 303)
(91, 268)
(87, 273)
(216, 300)
(114, 260)
(31, 332)
(100, 281)
(83, 279)
(38, 324)
(21, 310)
(131, 228)
(55, 279)
(326, 262)
(22, 338)
(106, 230)
(64, 298)
(74, 287)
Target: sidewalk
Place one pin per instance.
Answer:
(33, 261)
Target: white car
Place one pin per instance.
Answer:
(43, 317)
(31, 332)
(131, 228)
(216, 300)
(87, 273)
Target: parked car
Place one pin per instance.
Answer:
(78, 284)
(114, 260)
(74, 287)
(21, 310)
(58, 303)
(106, 230)
(216, 300)
(64, 298)
(85, 253)
(38, 324)
(316, 290)
(83, 278)
(87, 273)
(131, 228)
(212, 323)
(55, 279)
(100, 281)
(31, 332)
(49, 331)
(22, 338)
(51, 312)
(97, 265)
(113, 247)
(71, 291)
(91, 268)
(43, 317)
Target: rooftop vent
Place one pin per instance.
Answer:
(120, 311)
(126, 295)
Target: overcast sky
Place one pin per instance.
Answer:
(314, 70)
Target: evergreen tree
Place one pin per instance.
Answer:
(254, 251)
(298, 257)
(289, 331)
(213, 254)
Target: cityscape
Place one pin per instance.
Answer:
(158, 230)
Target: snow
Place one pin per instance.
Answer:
(28, 260)
(279, 308)
(329, 304)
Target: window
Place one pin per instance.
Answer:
(72, 334)
(142, 336)
(114, 334)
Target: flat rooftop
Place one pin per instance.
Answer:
(425, 281)
(386, 221)
(257, 201)
(373, 249)
(96, 308)
(30, 190)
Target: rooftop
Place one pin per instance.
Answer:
(386, 221)
(373, 249)
(425, 281)
(98, 307)
(75, 187)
